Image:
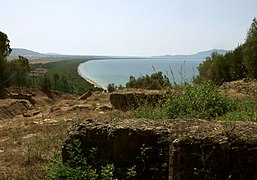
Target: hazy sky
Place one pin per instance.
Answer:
(126, 27)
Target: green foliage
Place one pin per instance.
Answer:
(20, 69)
(77, 167)
(149, 112)
(111, 88)
(245, 111)
(241, 116)
(5, 50)
(234, 65)
(131, 172)
(201, 101)
(193, 101)
(250, 50)
(221, 68)
(156, 81)
(46, 85)
(107, 172)
(80, 167)
(64, 76)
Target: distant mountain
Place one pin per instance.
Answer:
(53, 54)
(24, 52)
(199, 55)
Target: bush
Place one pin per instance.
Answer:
(198, 101)
(156, 81)
(245, 111)
(111, 88)
(194, 101)
(80, 167)
(75, 168)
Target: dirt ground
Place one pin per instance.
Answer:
(30, 134)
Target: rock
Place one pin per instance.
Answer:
(131, 100)
(85, 95)
(31, 113)
(121, 145)
(28, 97)
(171, 149)
(11, 108)
(104, 108)
(80, 107)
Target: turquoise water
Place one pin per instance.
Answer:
(118, 71)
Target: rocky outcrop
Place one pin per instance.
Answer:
(174, 149)
(28, 97)
(131, 100)
(244, 86)
(10, 108)
(85, 95)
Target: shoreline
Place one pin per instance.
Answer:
(95, 84)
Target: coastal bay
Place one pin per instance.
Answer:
(100, 73)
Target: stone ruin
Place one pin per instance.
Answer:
(171, 149)
(133, 99)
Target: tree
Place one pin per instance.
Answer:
(156, 81)
(250, 51)
(46, 86)
(56, 78)
(21, 67)
(215, 69)
(5, 50)
(237, 69)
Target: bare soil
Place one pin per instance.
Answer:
(30, 135)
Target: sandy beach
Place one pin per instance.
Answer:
(96, 85)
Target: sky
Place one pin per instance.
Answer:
(126, 27)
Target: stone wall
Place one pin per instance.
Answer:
(171, 149)
(131, 100)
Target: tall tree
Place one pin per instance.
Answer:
(250, 51)
(5, 50)
(21, 67)
(236, 67)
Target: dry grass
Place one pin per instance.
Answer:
(28, 143)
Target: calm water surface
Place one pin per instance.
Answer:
(118, 71)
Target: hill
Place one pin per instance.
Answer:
(199, 55)
(24, 52)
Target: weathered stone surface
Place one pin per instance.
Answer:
(174, 149)
(243, 86)
(28, 97)
(131, 100)
(230, 154)
(104, 107)
(11, 108)
(85, 95)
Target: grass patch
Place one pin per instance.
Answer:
(190, 101)
(203, 101)
(245, 111)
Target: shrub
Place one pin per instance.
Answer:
(80, 167)
(111, 88)
(197, 101)
(155, 81)
(245, 111)
(75, 168)
(193, 101)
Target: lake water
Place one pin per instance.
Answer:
(118, 71)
